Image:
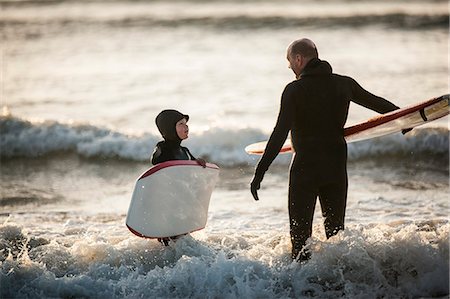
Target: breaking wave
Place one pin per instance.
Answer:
(394, 19)
(226, 14)
(26, 139)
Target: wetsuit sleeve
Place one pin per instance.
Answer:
(280, 132)
(191, 157)
(156, 156)
(369, 100)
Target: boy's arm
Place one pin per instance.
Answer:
(191, 156)
(200, 161)
(155, 159)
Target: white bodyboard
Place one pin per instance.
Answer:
(171, 199)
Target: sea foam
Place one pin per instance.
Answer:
(402, 259)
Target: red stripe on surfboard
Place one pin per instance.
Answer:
(175, 163)
(260, 152)
(138, 233)
(148, 237)
(384, 118)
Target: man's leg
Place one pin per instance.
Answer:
(302, 200)
(333, 200)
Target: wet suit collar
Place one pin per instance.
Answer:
(172, 143)
(316, 67)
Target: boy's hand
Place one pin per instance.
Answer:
(404, 131)
(201, 162)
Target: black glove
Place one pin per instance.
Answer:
(404, 131)
(201, 162)
(256, 184)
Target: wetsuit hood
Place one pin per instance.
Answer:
(316, 67)
(166, 122)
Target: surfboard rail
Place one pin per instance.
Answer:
(136, 233)
(171, 163)
(384, 124)
(390, 116)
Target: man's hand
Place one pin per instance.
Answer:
(255, 185)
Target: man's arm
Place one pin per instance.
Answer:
(369, 100)
(276, 140)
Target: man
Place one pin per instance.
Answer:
(314, 108)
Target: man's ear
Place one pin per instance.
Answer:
(299, 59)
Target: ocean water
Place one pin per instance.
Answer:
(82, 82)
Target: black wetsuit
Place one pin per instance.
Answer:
(170, 150)
(315, 108)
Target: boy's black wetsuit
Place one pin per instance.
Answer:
(170, 148)
(315, 108)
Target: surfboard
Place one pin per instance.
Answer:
(384, 124)
(171, 199)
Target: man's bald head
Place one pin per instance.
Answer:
(304, 47)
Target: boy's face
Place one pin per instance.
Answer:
(182, 129)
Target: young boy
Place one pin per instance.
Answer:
(173, 127)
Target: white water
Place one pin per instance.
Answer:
(91, 256)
